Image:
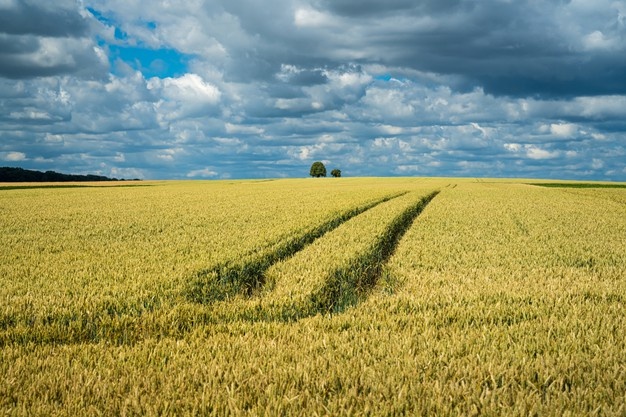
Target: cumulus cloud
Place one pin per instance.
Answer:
(12, 156)
(563, 129)
(486, 88)
(202, 173)
(534, 152)
(188, 88)
(185, 96)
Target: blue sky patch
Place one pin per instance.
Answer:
(100, 17)
(160, 63)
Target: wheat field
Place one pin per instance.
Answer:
(348, 296)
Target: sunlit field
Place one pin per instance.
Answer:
(347, 296)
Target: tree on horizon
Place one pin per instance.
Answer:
(317, 170)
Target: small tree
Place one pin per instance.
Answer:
(336, 173)
(318, 170)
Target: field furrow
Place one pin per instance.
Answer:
(334, 272)
(247, 274)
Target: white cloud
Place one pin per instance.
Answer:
(534, 152)
(169, 155)
(190, 88)
(390, 130)
(202, 173)
(385, 143)
(482, 130)
(599, 107)
(384, 104)
(305, 153)
(51, 138)
(513, 147)
(129, 173)
(30, 114)
(187, 96)
(308, 17)
(350, 79)
(563, 130)
(297, 104)
(287, 72)
(599, 136)
(13, 156)
(241, 129)
(597, 163)
(597, 40)
(531, 151)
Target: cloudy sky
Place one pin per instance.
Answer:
(252, 89)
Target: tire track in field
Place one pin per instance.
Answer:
(347, 285)
(226, 280)
(350, 284)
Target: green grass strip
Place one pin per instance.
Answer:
(349, 284)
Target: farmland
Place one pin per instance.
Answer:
(351, 296)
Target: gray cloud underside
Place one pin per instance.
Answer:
(39, 39)
(513, 48)
(472, 88)
(58, 19)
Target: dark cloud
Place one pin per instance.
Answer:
(56, 19)
(14, 45)
(303, 77)
(507, 48)
(510, 48)
(375, 8)
(42, 39)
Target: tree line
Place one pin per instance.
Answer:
(9, 174)
(319, 170)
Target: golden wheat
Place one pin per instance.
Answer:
(500, 299)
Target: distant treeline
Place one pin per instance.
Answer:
(8, 174)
